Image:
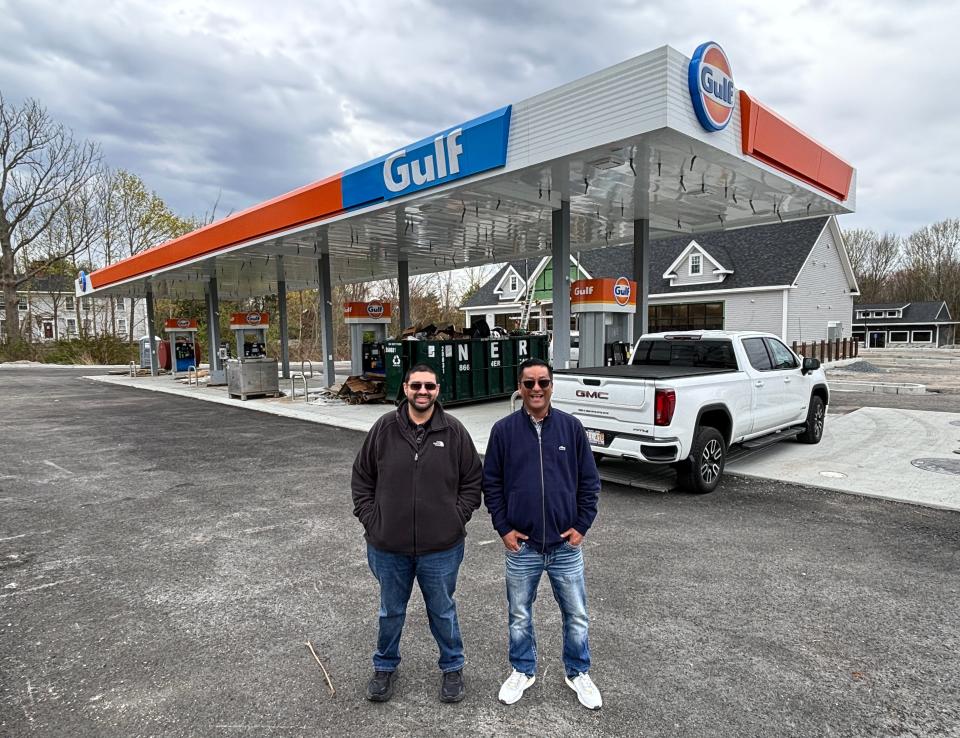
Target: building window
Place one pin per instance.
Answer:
(71, 326)
(68, 303)
(686, 317)
(860, 314)
(899, 336)
(878, 313)
(86, 325)
(696, 265)
(514, 283)
(84, 303)
(120, 303)
(22, 304)
(892, 314)
(121, 325)
(922, 336)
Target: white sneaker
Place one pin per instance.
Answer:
(512, 689)
(586, 690)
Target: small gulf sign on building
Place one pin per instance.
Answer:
(603, 296)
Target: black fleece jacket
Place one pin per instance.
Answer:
(416, 499)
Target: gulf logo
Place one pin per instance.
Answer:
(183, 323)
(621, 291)
(710, 79)
(375, 309)
(253, 318)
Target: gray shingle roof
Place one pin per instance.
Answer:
(914, 312)
(759, 256)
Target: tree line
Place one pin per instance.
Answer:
(924, 266)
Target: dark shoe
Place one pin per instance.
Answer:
(452, 689)
(380, 686)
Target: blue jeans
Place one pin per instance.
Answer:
(564, 566)
(436, 573)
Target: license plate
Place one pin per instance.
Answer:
(596, 438)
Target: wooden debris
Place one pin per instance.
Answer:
(358, 390)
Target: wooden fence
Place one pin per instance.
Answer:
(840, 348)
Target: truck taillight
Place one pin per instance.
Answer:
(664, 403)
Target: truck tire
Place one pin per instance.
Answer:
(701, 471)
(816, 415)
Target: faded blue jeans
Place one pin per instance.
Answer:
(564, 566)
(436, 573)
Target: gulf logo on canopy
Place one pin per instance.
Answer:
(710, 79)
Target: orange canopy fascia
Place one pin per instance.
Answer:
(771, 139)
(311, 202)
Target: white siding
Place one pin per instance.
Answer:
(754, 311)
(822, 294)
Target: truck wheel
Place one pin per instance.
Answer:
(813, 428)
(701, 471)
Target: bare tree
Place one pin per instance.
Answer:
(42, 168)
(874, 258)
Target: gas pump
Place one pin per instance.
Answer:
(606, 308)
(252, 372)
(366, 357)
(181, 348)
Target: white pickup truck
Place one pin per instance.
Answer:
(686, 397)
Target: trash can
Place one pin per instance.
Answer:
(145, 351)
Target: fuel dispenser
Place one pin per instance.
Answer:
(367, 320)
(180, 352)
(252, 372)
(606, 308)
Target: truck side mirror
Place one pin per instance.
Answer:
(810, 365)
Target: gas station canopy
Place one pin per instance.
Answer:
(660, 138)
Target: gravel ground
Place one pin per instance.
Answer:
(163, 562)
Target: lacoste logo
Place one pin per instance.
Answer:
(562, 448)
(438, 444)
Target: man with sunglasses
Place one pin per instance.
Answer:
(416, 482)
(540, 485)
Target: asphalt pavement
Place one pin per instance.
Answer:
(163, 563)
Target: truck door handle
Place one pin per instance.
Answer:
(758, 383)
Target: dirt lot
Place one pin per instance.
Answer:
(938, 370)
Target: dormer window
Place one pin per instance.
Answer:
(514, 283)
(892, 314)
(696, 265)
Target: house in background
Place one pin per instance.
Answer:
(49, 306)
(792, 279)
(904, 324)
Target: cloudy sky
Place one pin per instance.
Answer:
(248, 99)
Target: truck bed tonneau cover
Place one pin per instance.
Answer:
(644, 371)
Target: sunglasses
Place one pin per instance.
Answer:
(417, 386)
(531, 383)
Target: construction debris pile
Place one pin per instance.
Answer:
(430, 332)
(357, 390)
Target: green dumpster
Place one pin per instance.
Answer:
(494, 365)
(463, 362)
(478, 369)
(396, 360)
(438, 355)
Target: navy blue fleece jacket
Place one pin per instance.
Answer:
(540, 485)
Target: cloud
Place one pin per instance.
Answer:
(254, 99)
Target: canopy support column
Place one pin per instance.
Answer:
(641, 274)
(561, 285)
(403, 289)
(282, 310)
(152, 333)
(213, 323)
(325, 296)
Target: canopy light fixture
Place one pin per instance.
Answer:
(606, 162)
